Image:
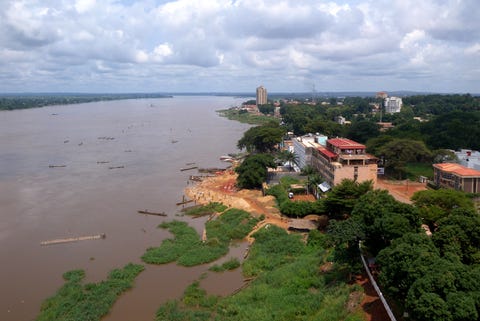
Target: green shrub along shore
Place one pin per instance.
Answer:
(77, 302)
(285, 279)
(187, 247)
(287, 284)
(231, 264)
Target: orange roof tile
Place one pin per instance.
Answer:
(457, 169)
(327, 153)
(345, 143)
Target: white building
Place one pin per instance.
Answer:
(469, 158)
(393, 105)
(261, 96)
(304, 145)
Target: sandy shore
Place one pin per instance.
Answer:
(221, 188)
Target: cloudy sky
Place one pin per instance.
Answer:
(236, 45)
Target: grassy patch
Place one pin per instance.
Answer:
(415, 170)
(231, 264)
(75, 301)
(288, 285)
(210, 208)
(187, 247)
(194, 306)
(245, 117)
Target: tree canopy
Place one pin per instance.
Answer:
(252, 172)
(262, 139)
(398, 152)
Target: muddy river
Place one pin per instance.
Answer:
(109, 160)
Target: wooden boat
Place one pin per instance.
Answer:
(188, 168)
(151, 213)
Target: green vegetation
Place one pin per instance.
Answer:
(287, 285)
(342, 198)
(397, 153)
(415, 170)
(262, 139)
(77, 302)
(210, 208)
(435, 205)
(187, 248)
(244, 116)
(231, 264)
(431, 278)
(290, 207)
(252, 172)
(410, 141)
(11, 102)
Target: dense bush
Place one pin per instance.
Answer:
(77, 302)
(231, 264)
(287, 286)
(187, 247)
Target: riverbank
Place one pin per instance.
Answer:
(221, 188)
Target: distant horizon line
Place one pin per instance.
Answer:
(239, 93)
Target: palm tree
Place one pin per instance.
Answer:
(288, 157)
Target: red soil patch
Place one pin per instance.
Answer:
(371, 304)
(402, 191)
(304, 197)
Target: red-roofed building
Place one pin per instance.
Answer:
(342, 158)
(456, 176)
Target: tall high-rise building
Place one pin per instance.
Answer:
(393, 105)
(261, 95)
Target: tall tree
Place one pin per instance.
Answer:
(399, 152)
(288, 157)
(252, 172)
(434, 205)
(342, 198)
(262, 139)
(384, 218)
(361, 131)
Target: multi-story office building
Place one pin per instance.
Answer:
(393, 105)
(457, 177)
(336, 159)
(262, 98)
(343, 158)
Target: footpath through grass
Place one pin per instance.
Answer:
(187, 247)
(287, 285)
(77, 302)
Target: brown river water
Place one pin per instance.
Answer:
(152, 139)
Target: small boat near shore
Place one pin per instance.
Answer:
(227, 158)
(188, 168)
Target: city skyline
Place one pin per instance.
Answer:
(233, 46)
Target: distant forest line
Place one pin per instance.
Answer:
(24, 101)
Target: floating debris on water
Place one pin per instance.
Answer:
(74, 239)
